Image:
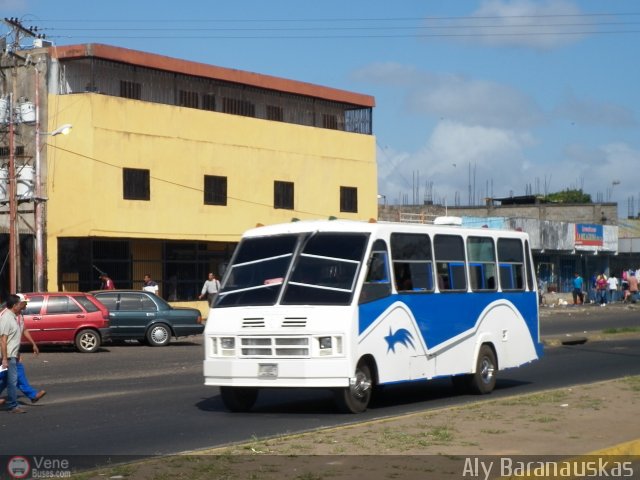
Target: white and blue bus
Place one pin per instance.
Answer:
(352, 306)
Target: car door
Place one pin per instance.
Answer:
(61, 318)
(33, 318)
(110, 300)
(135, 312)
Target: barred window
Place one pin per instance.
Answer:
(238, 107)
(283, 195)
(329, 121)
(209, 102)
(135, 182)
(215, 190)
(275, 113)
(188, 99)
(130, 90)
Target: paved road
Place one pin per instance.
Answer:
(138, 400)
(589, 320)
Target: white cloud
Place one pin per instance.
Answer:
(459, 160)
(587, 111)
(455, 97)
(520, 23)
(599, 167)
(13, 4)
(455, 157)
(475, 102)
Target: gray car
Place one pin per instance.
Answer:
(139, 315)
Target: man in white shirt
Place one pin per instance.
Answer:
(150, 285)
(210, 288)
(612, 283)
(10, 335)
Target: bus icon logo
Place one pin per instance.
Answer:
(18, 467)
(402, 336)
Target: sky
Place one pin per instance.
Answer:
(474, 98)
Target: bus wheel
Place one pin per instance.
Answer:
(238, 399)
(484, 380)
(355, 398)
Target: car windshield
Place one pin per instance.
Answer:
(314, 269)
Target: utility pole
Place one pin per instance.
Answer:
(18, 31)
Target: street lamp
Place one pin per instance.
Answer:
(384, 197)
(61, 130)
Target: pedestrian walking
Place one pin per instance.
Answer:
(578, 282)
(210, 288)
(601, 289)
(23, 382)
(612, 285)
(11, 332)
(630, 295)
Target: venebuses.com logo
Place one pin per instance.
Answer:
(18, 467)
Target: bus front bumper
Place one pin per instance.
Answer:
(324, 372)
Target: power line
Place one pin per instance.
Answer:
(342, 19)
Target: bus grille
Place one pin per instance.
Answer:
(274, 347)
(252, 322)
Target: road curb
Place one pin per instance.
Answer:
(631, 448)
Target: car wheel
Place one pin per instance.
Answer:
(87, 341)
(355, 398)
(158, 335)
(239, 399)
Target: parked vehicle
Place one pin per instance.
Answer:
(67, 318)
(144, 316)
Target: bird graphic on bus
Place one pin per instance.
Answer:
(402, 336)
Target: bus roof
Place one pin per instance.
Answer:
(354, 226)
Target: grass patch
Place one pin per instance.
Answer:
(633, 383)
(613, 331)
(545, 419)
(534, 400)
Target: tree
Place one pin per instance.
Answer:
(568, 196)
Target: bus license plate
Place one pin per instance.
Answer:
(268, 370)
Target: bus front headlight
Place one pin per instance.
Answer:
(228, 344)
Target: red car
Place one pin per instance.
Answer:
(67, 317)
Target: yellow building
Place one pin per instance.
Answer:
(170, 161)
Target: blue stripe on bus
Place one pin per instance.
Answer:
(440, 317)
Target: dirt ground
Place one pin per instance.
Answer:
(442, 443)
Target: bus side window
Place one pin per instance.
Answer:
(511, 264)
(412, 262)
(531, 283)
(482, 264)
(450, 263)
(377, 283)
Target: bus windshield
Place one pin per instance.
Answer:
(322, 272)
